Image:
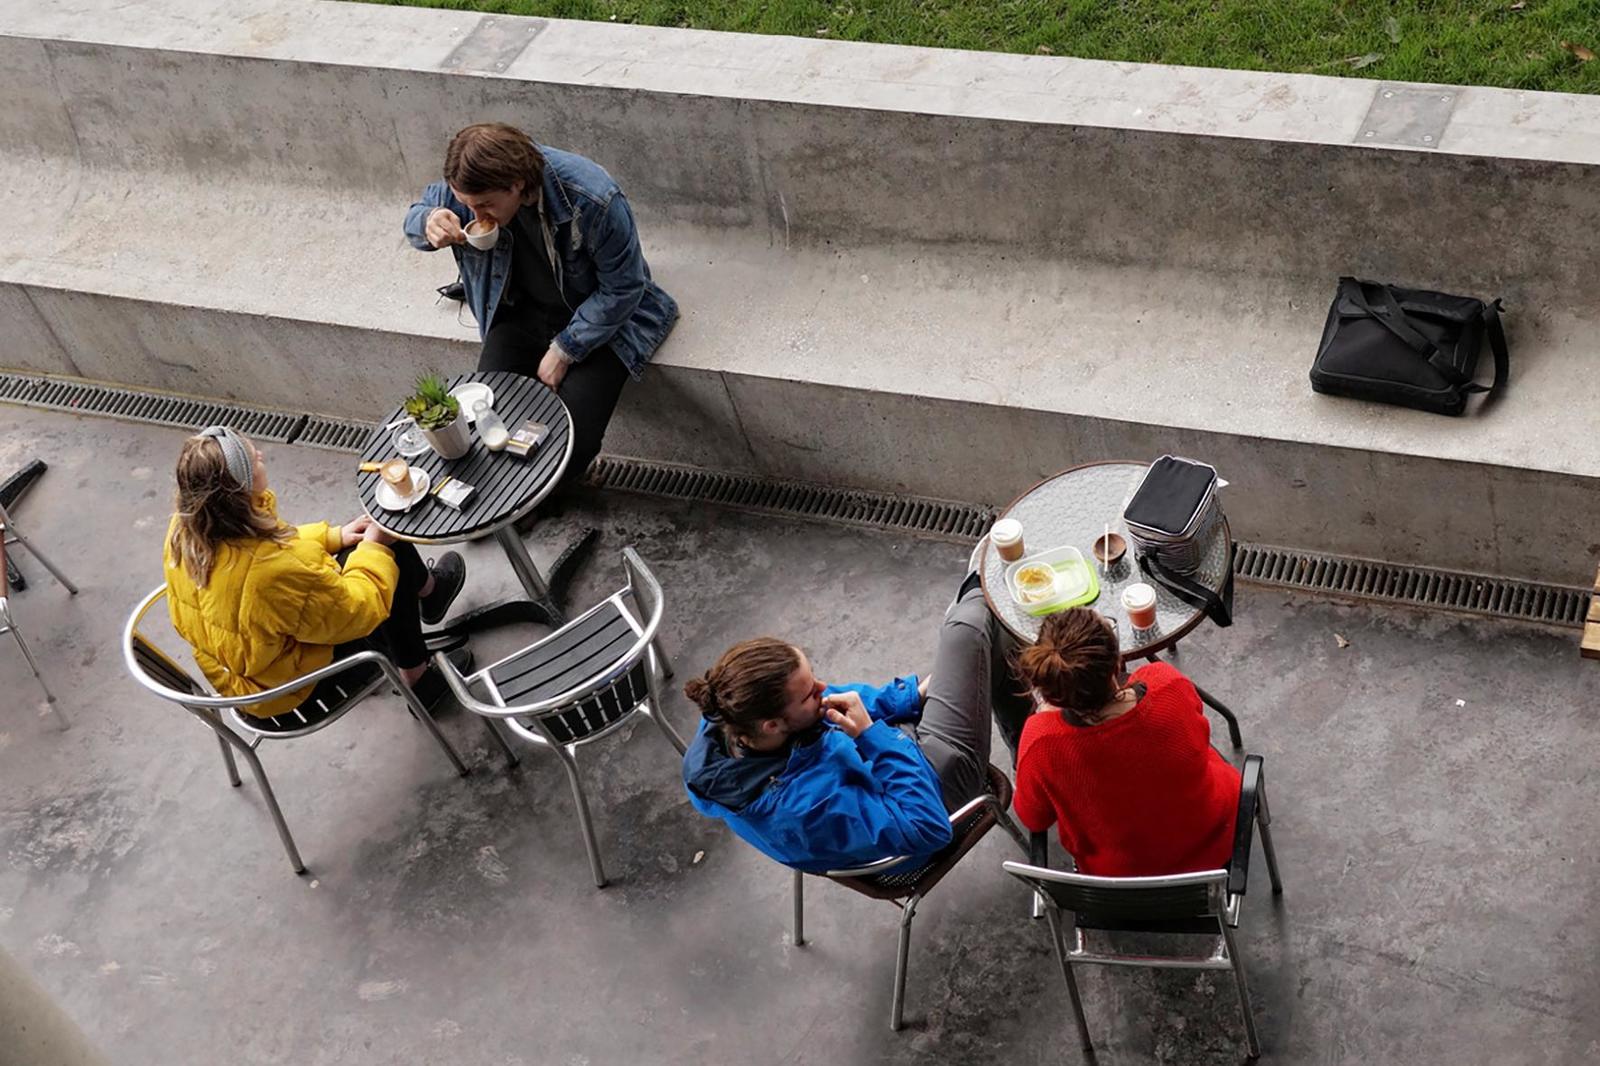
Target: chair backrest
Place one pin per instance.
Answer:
(646, 591)
(599, 710)
(568, 690)
(153, 668)
(1129, 901)
(163, 669)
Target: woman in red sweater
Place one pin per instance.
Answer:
(1125, 767)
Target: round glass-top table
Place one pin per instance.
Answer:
(1074, 508)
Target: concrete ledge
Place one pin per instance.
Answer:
(891, 276)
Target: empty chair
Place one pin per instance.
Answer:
(10, 534)
(358, 674)
(905, 886)
(580, 683)
(1206, 904)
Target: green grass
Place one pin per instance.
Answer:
(1465, 42)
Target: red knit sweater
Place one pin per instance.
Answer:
(1142, 795)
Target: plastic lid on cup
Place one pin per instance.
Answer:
(1006, 531)
(1138, 596)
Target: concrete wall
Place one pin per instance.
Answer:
(932, 271)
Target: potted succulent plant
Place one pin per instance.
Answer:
(438, 415)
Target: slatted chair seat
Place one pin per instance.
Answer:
(905, 885)
(581, 682)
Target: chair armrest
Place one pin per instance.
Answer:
(1244, 825)
(5, 574)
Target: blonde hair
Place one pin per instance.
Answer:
(213, 507)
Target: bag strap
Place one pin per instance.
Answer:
(1218, 606)
(1392, 317)
(1497, 345)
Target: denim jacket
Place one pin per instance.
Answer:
(593, 245)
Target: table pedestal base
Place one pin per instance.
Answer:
(542, 606)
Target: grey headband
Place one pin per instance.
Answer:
(241, 467)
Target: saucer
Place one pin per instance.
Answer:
(390, 500)
(470, 392)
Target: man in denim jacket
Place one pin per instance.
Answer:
(564, 292)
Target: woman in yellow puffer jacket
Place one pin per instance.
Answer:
(262, 602)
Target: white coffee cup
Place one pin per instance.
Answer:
(482, 235)
(1139, 600)
(1006, 536)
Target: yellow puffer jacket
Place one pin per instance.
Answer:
(273, 612)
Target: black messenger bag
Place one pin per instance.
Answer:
(1408, 346)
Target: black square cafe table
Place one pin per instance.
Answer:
(507, 488)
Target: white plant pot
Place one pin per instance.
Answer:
(451, 442)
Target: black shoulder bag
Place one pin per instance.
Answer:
(1408, 346)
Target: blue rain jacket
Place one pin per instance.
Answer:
(828, 802)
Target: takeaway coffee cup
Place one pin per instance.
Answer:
(1006, 536)
(1139, 600)
(482, 235)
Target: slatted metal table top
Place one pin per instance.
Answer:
(1074, 507)
(507, 487)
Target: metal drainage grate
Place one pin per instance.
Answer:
(1414, 585)
(339, 434)
(911, 514)
(1311, 571)
(153, 407)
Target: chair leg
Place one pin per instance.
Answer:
(1244, 992)
(420, 713)
(654, 707)
(799, 895)
(1264, 823)
(49, 697)
(272, 805)
(499, 738)
(584, 821)
(1014, 831)
(654, 712)
(1057, 937)
(66, 583)
(898, 1005)
(661, 657)
(227, 760)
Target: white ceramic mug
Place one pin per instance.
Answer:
(485, 239)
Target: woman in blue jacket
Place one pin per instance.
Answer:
(825, 777)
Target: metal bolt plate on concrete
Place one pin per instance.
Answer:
(494, 43)
(1408, 115)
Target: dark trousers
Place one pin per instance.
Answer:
(400, 635)
(972, 686)
(589, 390)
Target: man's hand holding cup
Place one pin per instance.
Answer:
(443, 229)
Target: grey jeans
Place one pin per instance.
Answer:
(971, 686)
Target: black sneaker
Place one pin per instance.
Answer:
(431, 688)
(449, 577)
